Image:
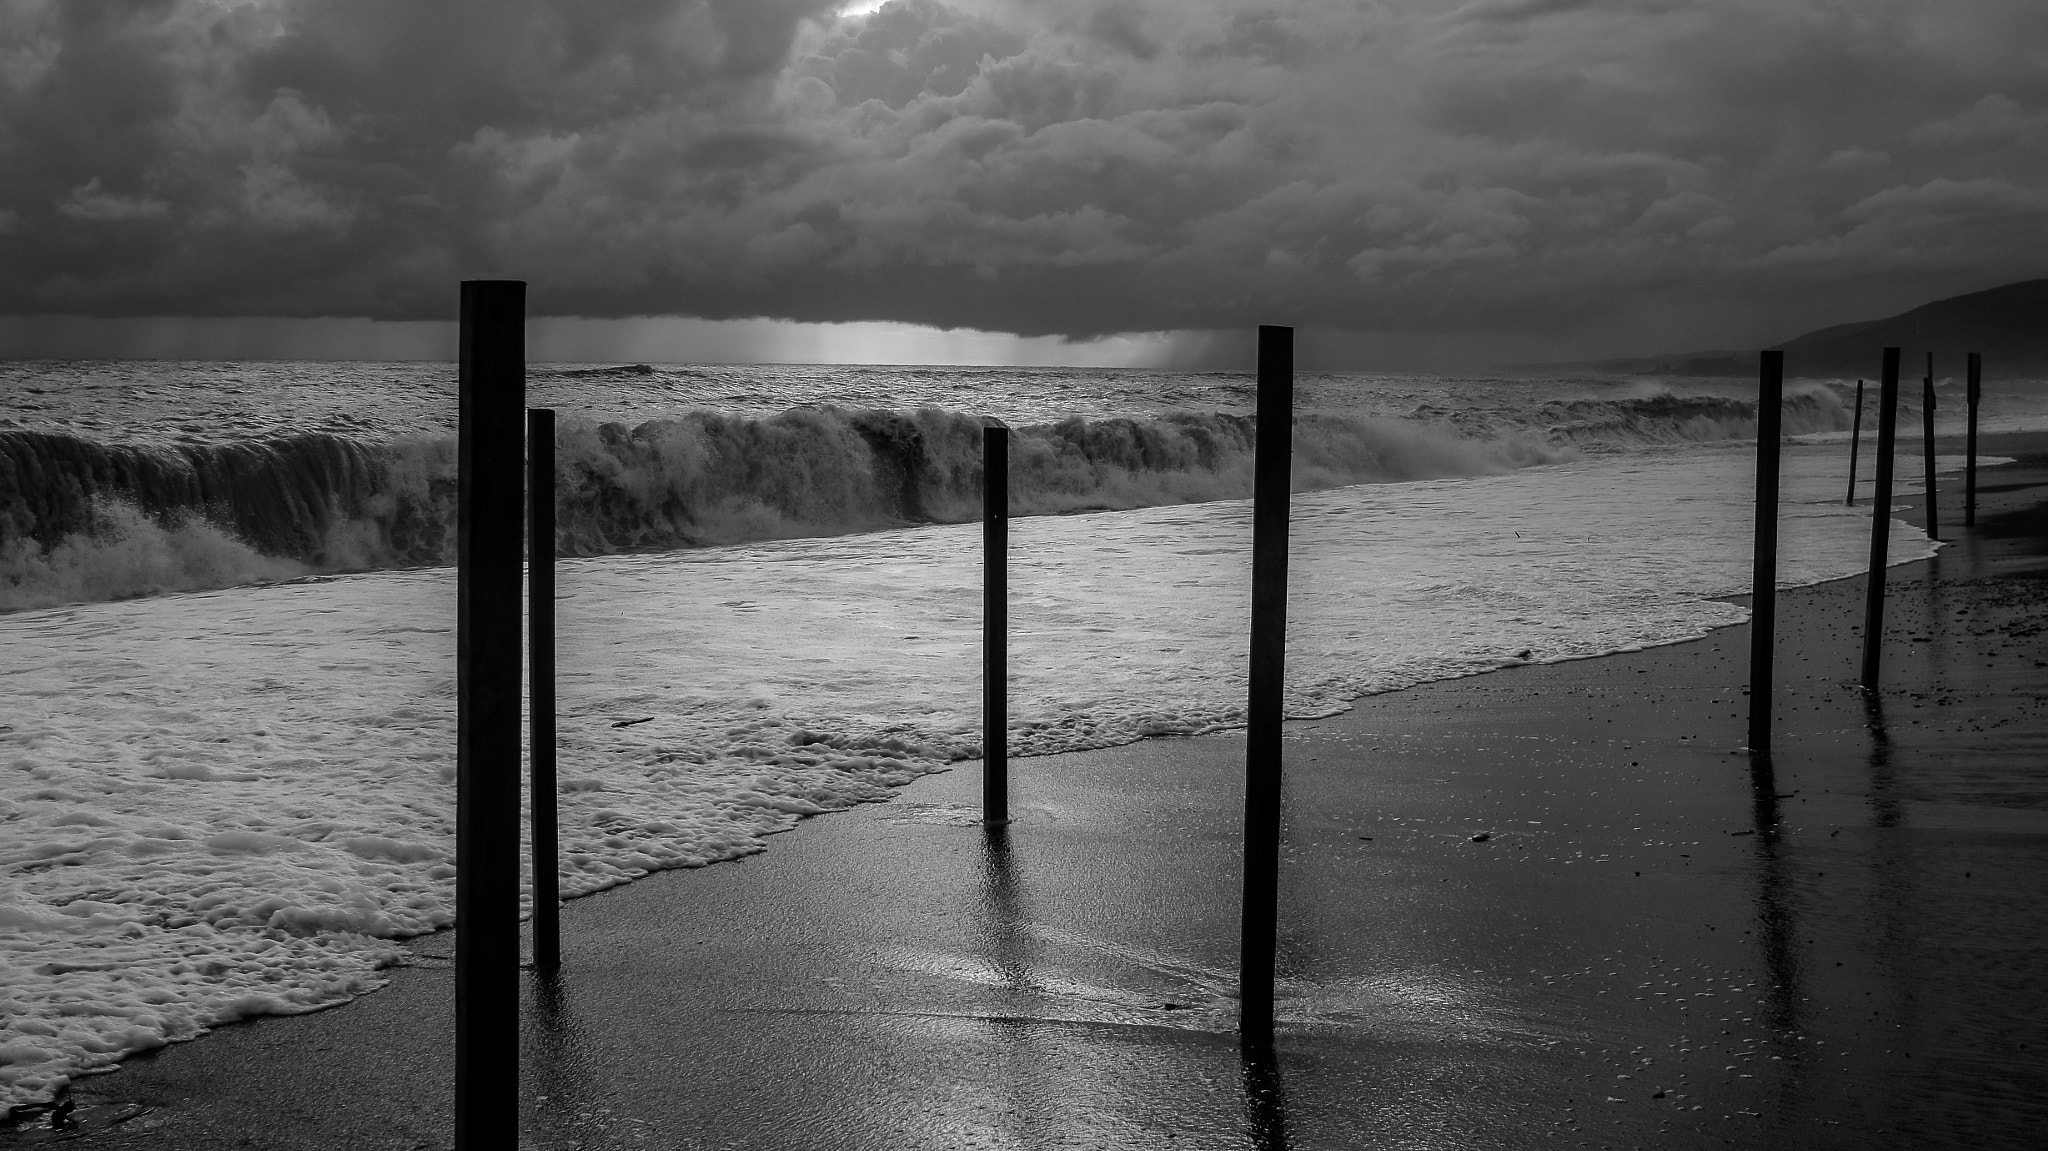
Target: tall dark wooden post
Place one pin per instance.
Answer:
(995, 624)
(540, 687)
(1259, 934)
(1855, 442)
(1880, 519)
(1927, 449)
(1764, 565)
(1976, 391)
(490, 540)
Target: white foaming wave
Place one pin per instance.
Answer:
(707, 478)
(711, 479)
(247, 835)
(325, 504)
(132, 554)
(1660, 416)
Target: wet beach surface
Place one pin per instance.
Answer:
(1555, 905)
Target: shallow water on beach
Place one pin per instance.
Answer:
(248, 836)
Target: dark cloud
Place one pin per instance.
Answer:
(1518, 11)
(1565, 169)
(338, 156)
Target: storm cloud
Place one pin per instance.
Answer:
(1618, 171)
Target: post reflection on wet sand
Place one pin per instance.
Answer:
(1884, 798)
(1775, 895)
(1027, 970)
(1897, 916)
(999, 916)
(1778, 940)
(560, 1095)
(1265, 1097)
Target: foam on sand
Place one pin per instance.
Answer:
(225, 804)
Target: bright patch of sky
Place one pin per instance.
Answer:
(559, 339)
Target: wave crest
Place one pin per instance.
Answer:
(83, 520)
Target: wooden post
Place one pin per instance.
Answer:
(1976, 391)
(1927, 448)
(1880, 518)
(995, 624)
(1855, 442)
(540, 688)
(1259, 934)
(1764, 562)
(489, 544)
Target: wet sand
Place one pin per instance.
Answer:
(1557, 905)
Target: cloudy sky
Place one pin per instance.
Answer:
(1421, 183)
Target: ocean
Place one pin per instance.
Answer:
(227, 607)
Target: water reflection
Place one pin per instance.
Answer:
(999, 916)
(555, 1061)
(1934, 621)
(1010, 952)
(1055, 1083)
(1265, 1097)
(1895, 931)
(1884, 796)
(1775, 894)
(1778, 938)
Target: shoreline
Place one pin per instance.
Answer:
(1866, 902)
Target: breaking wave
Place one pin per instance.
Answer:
(81, 520)
(1649, 415)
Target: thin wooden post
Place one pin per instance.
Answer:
(1763, 585)
(995, 624)
(1927, 448)
(1880, 518)
(490, 537)
(540, 688)
(1976, 391)
(1855, 442)
(1259, 934)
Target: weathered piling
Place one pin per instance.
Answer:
(1764, 556)
(995, 624)
(490, 532)
(541, 791)
(1855, 442)
(1259, 932)
(1880, 519)
(1927, 449)
(1976, 390)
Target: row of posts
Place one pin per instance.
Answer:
(1764, 572)
(492, 537)
(492, 541)
(1973, 392)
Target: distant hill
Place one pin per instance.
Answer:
(2009, 325)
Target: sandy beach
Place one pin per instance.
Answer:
(1553, 905)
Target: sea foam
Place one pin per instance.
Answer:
(81, 520)
(229, 803)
